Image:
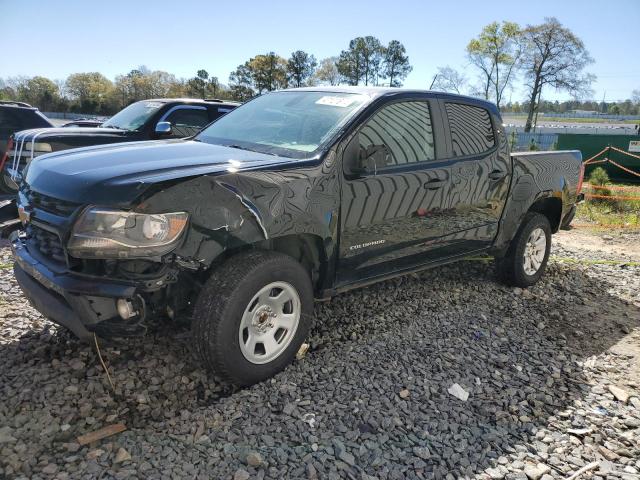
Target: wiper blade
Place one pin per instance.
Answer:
(239, 147)
(249, 149)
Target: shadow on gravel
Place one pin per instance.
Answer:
(339, 411)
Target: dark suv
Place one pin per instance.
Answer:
(16, 116)
(145, 120)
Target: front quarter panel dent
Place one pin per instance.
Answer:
(232, 210)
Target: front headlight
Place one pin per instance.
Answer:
(101, 233)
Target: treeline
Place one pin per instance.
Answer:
(627, 107)
(366, 61)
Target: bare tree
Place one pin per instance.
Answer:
(496, 52)
(635, 96)
(555, 56)
(449, 80)
(327, 73)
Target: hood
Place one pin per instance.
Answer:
(42, 134)
(113, 175)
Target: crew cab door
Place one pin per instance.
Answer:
(383, 223)
(479, 174)
(440, 194)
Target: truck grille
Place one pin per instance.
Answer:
(47, 243)
(52, 205)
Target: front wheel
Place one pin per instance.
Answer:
(252, 316)
(528, 253)
(7, 185)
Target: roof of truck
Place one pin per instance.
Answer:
(375, 92)
(191, 100)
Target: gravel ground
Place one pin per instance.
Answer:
(371, 397)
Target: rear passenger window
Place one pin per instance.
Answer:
(405, 129)
(471, 129)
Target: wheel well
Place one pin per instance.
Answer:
(305, 248)
(550, 207)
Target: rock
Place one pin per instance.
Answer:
(94, 454)
(496, 473)
(404, 394)
(241, 475)
(50, 469)
(635, 401)
(579, 432)
(535, 472)
(422, 452)
(302, 351)
(608, 454)
(254, 459)
(619, 394)
(458, 392)
(6, 435)
(122, 456)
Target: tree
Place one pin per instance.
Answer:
(213, 86)
(300, 68)
(262, 73)
(362, 61)
(449, 80)
(199, 82)
(396, 64)
(496, 53)
(241, 83)
(40, 92)
(91, 91)
(635, 96)
(327, 73)
(553, 55)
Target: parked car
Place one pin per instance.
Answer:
(16, 116)
(296, 195)
(144, 120)
(83, 122)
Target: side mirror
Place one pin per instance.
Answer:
(359, 160)
(374, 157)
(163, 128)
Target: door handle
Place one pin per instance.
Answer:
(497, 174)
(434, 184)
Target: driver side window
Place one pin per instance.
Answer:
(406, 131)
(187, 121)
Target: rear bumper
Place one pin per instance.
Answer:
(82, 305)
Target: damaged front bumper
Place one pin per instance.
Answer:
(83, 304)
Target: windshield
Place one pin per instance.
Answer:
(133, 117)
(290, 124)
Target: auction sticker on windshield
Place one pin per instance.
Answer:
(153, 104)
(335, 101)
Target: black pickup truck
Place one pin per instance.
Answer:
(144, 120)
(296, 195)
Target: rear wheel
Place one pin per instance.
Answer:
(528, 253)
(252, 315)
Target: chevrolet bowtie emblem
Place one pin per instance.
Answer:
(24, 215)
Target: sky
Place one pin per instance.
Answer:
(55, 38)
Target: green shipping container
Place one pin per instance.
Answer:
(590, 145)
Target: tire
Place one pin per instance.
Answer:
(244, 339)
(7, 185)
(524, 264)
